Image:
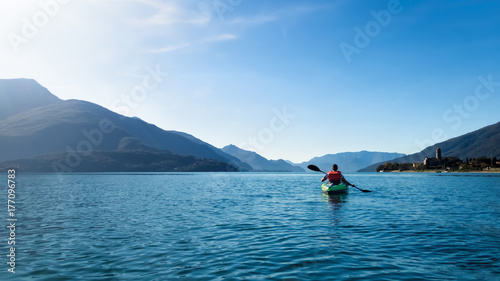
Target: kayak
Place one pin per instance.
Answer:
(334, 189)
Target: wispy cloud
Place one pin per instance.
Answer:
(211, 39)
(253, 20)
(168, 49)
(192, 20)
(276, 15)
(220, 38)
(174, 12)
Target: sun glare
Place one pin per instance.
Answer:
(17, 5)
(15, 9)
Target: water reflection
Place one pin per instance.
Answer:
(335, 203)
(335, 200)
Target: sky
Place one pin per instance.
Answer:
(288, 79)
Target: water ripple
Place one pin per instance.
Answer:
(250, 227)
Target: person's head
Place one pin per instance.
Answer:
(335, 167)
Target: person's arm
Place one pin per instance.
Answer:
(324, 178)
(346, 182)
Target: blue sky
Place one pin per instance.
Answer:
(287, 79)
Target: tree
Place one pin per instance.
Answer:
(380, 168)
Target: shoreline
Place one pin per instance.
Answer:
(495, 171)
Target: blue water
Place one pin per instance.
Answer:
(246, 226)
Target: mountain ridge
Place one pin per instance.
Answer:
(117, 161)
(481, 142)
(56, 126)
(35, 123)
(350, 161)
(29, 95)
(260, 163)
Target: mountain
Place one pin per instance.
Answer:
(134, 144)
(259, 163)
(482, 142)
(42, 124)
(350, 162)
(28, 94)
(119, 161)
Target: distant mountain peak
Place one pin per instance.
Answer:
(35, 122)
(19, 95)
(351, 161)
(259, 163)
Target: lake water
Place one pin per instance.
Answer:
(252, 226)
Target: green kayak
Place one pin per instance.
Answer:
(334, 189)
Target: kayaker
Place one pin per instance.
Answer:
(335, 177)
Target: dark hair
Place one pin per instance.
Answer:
(335, 167)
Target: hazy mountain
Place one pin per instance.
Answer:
(259, 163)
(119, 161)
(43, 124)
(482, 142)
(134, 144)
(349, 162)
(18, 95)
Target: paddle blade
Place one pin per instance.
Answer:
(313, 168)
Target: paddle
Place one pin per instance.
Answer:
(316, 169)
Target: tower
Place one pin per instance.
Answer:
(438, 153)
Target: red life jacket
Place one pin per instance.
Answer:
(335, 177)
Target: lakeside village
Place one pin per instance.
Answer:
(444, 164)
